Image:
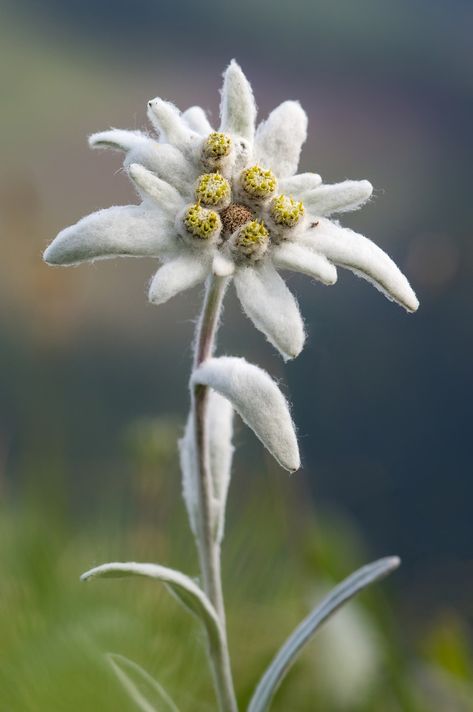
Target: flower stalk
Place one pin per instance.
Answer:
(207, 545)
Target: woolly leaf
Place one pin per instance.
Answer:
(287, 655)
(181, 586)
(259, 402)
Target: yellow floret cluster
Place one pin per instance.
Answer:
(257, 182)
(217, 145)
(201, 222)
(286, 211)
(212, 189)
(254, 233)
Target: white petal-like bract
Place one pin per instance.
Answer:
(119, 140)
(349, 249)
(237, 107)
(299, 184)
(168, 120)
(279, 139)
(163, 159)
(337, 198)
(123, 231)
(196, 119)
(177, 275)
(222, 265)
(259, 402)
(168, 198)
(272, 308)
(297, 258)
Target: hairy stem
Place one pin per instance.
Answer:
(208, 547)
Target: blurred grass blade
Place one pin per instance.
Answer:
(181, 586)
(143, 689)
(303, 633)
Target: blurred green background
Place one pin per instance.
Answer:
(93, 379)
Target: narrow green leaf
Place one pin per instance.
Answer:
(303, 633)
(143, 689)
(181, 586)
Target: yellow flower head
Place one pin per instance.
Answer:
(212, 189)
(258, 183)
(201, 222)
(286, 211)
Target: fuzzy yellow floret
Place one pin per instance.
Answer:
(217, 145)
(201, 222)
(286, 211)
(258, 182)
(212, 189)
(252, 234)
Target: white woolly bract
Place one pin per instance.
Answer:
(349, 249)
(163, 159)
(119, 139)
(291, 256)
(337, 198)
(279, 139)
(181, 273)
(197, 120)
(237, 107)
(222, 266)
(168, 121)
(167, 197)
(127, 230)
(299, 184)
(219, 431)
(259, 402)
(272, 308)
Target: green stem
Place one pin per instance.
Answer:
(208, 548)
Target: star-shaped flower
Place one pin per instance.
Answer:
(230, 202)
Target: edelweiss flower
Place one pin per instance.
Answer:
(229, 202)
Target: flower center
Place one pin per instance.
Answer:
(212, 189)
(286, 211)
(235, 216)
(258, 183)
(201, 222)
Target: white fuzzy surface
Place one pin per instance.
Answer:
(297, 258)
(166, 196)
(279, 139)
(259, 402)
(349, 249)
(119, 139)
(299, 184)
(180, 585)
(196, 119)
(126, 230)
(168, 121)
(220, 432)
(337, 198)
(219, 429)
(189, 470)
(272, 308)
(181, 273)
(237, 106)
(163, 159)
(222, 265)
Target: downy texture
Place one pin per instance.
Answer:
(229, 201)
